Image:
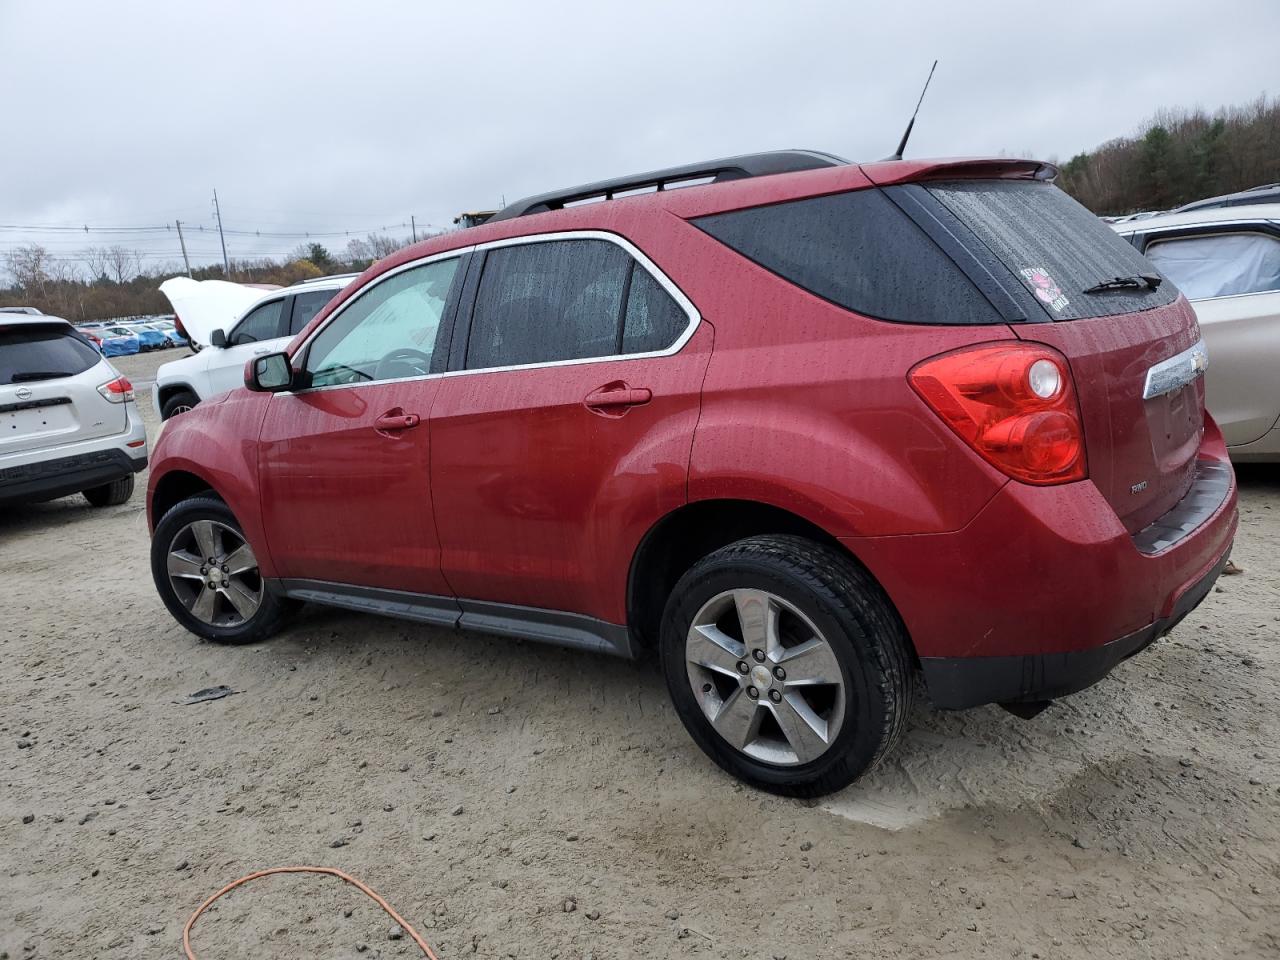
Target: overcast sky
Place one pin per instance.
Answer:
(353, 118)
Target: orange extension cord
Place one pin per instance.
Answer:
(331, 871)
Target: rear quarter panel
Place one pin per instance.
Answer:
(806, 406)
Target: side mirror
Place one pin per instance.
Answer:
(269, 374)
(218, 338)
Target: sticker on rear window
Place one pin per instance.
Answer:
(1045, 287)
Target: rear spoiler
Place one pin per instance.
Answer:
(887, 172)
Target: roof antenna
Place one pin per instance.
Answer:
(902, 144)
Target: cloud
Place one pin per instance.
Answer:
(355, 118)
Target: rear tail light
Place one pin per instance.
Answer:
(177, 325)
(1014, 404)
(119, 390)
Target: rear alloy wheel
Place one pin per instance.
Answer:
(182, 402)
(208, 576)
(787, 664)
(110, 494)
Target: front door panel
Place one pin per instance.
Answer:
(1242, 335)
(345, 498)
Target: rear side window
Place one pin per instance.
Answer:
(1051, 244)
(568, 300)
(859, 251)
(1219, 265)
(31, 353)
(306, 306)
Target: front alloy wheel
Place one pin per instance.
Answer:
(208, 576)
(214, 573)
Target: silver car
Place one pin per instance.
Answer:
(68, 420)
(1227, 262)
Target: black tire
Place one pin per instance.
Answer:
(178, 403)
(860, 626)
(110, 494)
(273, 610)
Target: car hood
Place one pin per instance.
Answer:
(206, 305)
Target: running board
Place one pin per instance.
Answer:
(500, 619)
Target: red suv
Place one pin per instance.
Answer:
(804, 427)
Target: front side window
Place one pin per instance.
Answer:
(1219, 265)
(568, 300)
(386, 333)
(260, 323)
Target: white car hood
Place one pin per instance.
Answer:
(206, 305)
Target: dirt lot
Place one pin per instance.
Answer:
(514, 800)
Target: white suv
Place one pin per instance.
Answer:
(68, 422)
(266, 325)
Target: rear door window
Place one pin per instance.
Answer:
(306, 306)
(558, 300)
(1051, 244)
(38, 352)
(1219, 265)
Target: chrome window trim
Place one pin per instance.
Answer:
(1176, 372)
(695, 318)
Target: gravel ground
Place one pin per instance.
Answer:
(513, 800)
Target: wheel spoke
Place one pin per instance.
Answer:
(182, 564)
(805, 731)
(758, 616)
(204, 604)
(738, 721)
(244, 600)
(206, 537)
(810, 663)
(241, 560)
(709, 646)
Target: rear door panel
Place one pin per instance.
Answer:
(1243, 337)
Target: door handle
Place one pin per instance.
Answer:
(262, 353)
(613, 399)
(393, 420)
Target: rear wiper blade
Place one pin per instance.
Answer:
(1151, 281)
(39, 375)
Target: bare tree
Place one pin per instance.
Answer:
(29, 266)
(96, 261)
(122, 263)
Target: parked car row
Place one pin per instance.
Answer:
(128, 337)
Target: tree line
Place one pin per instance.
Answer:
(101, 283)
(1178, 156)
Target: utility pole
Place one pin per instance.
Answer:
(178, 224)
(413, 225)
(226, 267)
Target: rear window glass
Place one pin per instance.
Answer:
(29, 354)
(1053, 245)
(858, 251)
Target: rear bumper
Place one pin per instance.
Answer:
(1045, 591)
(34, 476)
(958, 682)
(50, 479)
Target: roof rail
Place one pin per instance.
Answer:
(329, 276)
(1263, 193)
(717, 171)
